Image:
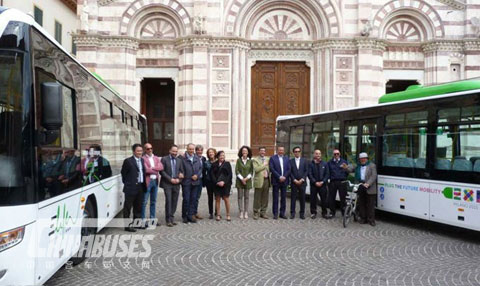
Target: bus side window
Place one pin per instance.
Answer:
(405, 140)
(458, 139)
(58, 158)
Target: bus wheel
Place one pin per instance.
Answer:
(87, 230)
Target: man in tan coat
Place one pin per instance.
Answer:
(366, 175)
(261, 183)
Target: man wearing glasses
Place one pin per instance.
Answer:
(298, 181)
(338, 174)
(280, 167)
(153, 167)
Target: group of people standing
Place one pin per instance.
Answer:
(144, 172)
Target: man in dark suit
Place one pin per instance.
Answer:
(318, 174)
(192, 169)
(133, 178)
(170, 183)
(280, 168)
(199, 187)
(338, 174)
(298, 181)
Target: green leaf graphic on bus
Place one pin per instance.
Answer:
(85, 181)
(467, 195)
(64, 219)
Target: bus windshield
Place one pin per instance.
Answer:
(13, 123)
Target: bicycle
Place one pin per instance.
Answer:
(351, 201)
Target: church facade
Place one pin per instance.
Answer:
(219, 72)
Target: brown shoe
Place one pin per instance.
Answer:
(198, 217)
(170, 224)
(264, 216)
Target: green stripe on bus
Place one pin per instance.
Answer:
(418, 91)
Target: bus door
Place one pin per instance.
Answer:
(359, 136)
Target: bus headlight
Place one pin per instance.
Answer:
(11, 238)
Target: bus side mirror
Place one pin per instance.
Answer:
(52, 105)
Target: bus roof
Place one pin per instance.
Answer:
(418, 91)
(413, 100)
(17, 15)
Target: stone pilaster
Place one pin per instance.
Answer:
(114, 59)
(370, 71)
(437, 60)
(472, 58)
(193, 90)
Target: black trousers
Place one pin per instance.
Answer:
(297, 191)
(315, 192)
(332, 194)
(171, 200)
(210, 194)
(366, 205)
(134, 201)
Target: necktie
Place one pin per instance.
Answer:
(67, 169)
(174, 167)
(140, 174)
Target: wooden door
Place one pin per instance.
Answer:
(278, 88)
(159, 107)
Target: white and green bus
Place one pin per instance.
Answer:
(63, 136)
(425, 142)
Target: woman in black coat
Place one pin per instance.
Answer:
(221, 175)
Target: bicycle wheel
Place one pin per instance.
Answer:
(347, 215)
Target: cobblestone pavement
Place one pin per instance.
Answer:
(397, 251)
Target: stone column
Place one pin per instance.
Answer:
(193, 91)
(437, 60)
(242, 103)
(322, 92)
(472, 58)
(370, 71)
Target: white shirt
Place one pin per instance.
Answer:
(297, 162)
(281, 164)
(363, 170)
(152, 164)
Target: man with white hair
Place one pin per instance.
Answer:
(366, 175)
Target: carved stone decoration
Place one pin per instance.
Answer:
(345, 89)
(344, 62)
(221, 75)
(344, 81)
(403, 31)
(220, 62)
(280, 25)
(199, 27)
(367, 28)
(220, 88)
(84, 18)
(476, 25)
(158, 29)
(344, 76)
(457, 57)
